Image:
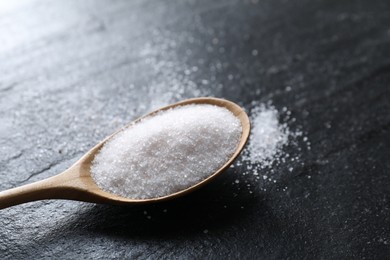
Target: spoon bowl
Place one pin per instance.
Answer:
(76, 183)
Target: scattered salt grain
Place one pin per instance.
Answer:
(267, 138)
(167, 152)
(265, 151)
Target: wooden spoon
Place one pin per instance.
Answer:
(76, 182)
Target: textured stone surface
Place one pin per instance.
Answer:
(74, 71)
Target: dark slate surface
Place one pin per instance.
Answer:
(74, 71)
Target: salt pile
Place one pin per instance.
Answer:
(267, 137)
(274, 148)
(167, 152)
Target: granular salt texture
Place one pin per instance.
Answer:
(167, 152)
(273, 148)
(267, 137)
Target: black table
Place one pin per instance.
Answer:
(74, 71)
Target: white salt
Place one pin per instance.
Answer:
(267, 137)
(265, 157)
(167, 152)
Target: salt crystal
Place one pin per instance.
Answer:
(267, 138)
(167, 152)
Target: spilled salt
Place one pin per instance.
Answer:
(167, 152)
(267, 137)
(265, 158)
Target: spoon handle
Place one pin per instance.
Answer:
(45, 189)
(68, 185)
